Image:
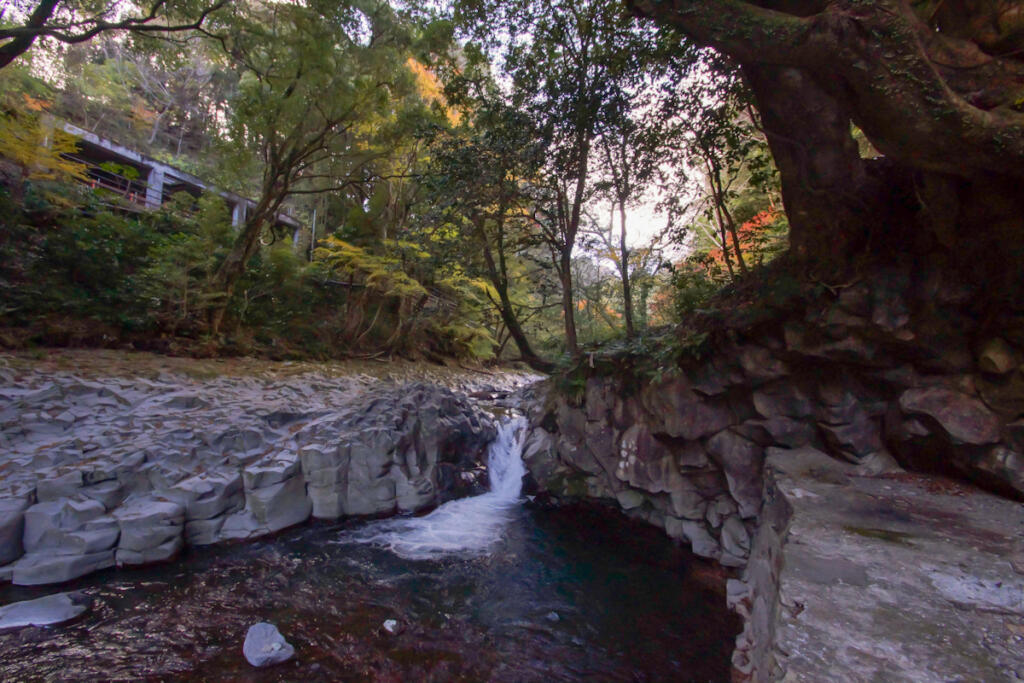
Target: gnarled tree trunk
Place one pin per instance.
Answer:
(941, 102)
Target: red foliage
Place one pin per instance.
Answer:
(749, 234)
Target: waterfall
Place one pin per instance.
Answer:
(468, 526)
(505, 467)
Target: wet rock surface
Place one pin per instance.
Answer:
(44, 611)
(98, 470)
(903, 578)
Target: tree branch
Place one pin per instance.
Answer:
(873, 54)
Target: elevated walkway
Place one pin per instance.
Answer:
(157, 181)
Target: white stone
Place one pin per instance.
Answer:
(265, 646)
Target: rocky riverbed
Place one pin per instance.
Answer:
(125, 459)
(901, 577)
(112, 459)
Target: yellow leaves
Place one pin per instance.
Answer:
(408, 249)
(141, 113)
(426, 82)
(34, 103)
(477, 290)
(383, 274)
(40, 150)
(430, 89)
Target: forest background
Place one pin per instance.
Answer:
(476, 175)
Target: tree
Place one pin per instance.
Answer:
(569, 63)
(77, 21)
(478, 183)
(633, 147)
(39, 150)
(149, 95)
(317, 90)
(935, 86)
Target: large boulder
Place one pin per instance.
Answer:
(12, 526)
(151, 531)
(273, 469)
(209, 494)
(742, 461)
(962, 418)
(279, 505)
(69, 527)
(682, 412)
(38, 569)
(44, 611)
(650, 463)
(325, 469)
(56, 484)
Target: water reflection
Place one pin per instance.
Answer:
(629, 607)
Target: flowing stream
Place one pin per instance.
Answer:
(464, 527)
(484, 589)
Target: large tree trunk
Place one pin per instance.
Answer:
(835, 201)
(515, 330)
(572, 227)
(943, 111)
(499, 278)
(568, 300)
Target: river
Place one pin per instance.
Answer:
(483, 589)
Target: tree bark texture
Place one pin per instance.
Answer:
(941, 103)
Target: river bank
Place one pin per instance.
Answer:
(503, 592)
(125, 459)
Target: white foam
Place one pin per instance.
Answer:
(469, 526)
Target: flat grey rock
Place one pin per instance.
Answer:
(161, 553)
(45, 611)
(280, 505)
(148, 523)
(39, 569)
(12, 526)
(879, 565)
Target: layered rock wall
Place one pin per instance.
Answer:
(875, 374)
(98, 474)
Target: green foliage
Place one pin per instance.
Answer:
(693, 286)
(382, 274)
(65, 257)
(457, 202)
(180, 263)
(122, 170)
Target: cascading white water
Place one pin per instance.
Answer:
(468, 526)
